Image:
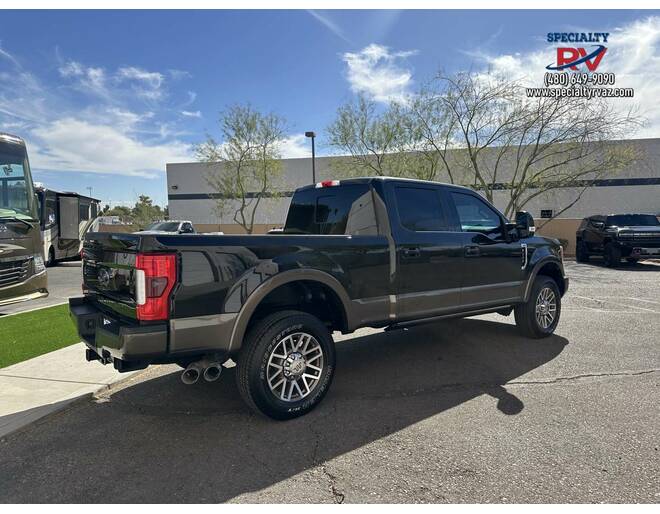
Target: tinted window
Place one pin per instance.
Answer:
(50, 214)
(631, 220)
(168, 226)
(84, 211)
(332, 210)
(420, 209)
(475, 215)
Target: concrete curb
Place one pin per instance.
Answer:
(3, 316)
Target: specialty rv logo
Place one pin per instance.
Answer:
(570, 57)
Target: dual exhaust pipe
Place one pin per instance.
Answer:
(208, 369)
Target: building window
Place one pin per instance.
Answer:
(546, 213)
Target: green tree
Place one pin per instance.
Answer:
(244, 166)
(378, 142)
(124, 213)
(144, 212)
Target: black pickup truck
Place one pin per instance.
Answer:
(629, 236)
(372, 252)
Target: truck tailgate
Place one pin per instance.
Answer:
(109, 271)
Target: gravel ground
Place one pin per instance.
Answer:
(459, 411)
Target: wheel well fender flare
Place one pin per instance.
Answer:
(546, 261)
(286, 277)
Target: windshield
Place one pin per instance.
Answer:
(165, 226)
(632, 220)
(16, 190)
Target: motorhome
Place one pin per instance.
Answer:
(65, 218)
(22, 270)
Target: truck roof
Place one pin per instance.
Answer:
(368, 180)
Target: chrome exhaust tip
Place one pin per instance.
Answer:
(212, 372)
(191, 374)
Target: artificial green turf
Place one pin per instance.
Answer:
(23, 336)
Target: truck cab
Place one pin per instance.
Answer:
(169, 227)
(618, 236)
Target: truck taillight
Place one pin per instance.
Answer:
(155, 276)
(327, 183)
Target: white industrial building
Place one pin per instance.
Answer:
(634, 189)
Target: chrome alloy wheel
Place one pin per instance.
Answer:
(546, 307)
(294, 367)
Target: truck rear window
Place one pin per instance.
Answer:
(332, 211)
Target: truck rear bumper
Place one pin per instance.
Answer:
(128, 347)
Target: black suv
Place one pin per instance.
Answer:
(617, 236)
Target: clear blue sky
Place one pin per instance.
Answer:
(105, 98)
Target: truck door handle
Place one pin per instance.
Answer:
(412, 253)
(472, 251)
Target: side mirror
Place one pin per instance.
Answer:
(599, 224)
(525, 224)
(510, 232)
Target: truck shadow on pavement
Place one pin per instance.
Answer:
(161, 441)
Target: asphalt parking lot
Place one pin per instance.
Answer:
(63, 282)
(459, 411)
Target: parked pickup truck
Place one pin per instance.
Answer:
(630, 236)
(371, 252)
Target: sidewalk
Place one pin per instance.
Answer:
(37, 387)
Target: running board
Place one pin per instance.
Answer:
(433, 319)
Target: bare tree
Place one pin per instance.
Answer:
(378, 142)
(244, 166)
(489, 135)
(481, 130)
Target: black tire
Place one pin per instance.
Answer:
(612, 256)
(581, 252)
(253, 364)
(51, 258)
(632, 260)
(525, 313)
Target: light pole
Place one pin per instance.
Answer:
(312, 135)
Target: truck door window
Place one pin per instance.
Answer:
(420, 209)
(475, 215)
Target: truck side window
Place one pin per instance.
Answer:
(420, 209)
(333, 211)
(475, 215)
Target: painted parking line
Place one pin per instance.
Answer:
(633, 298)
(600, 300)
